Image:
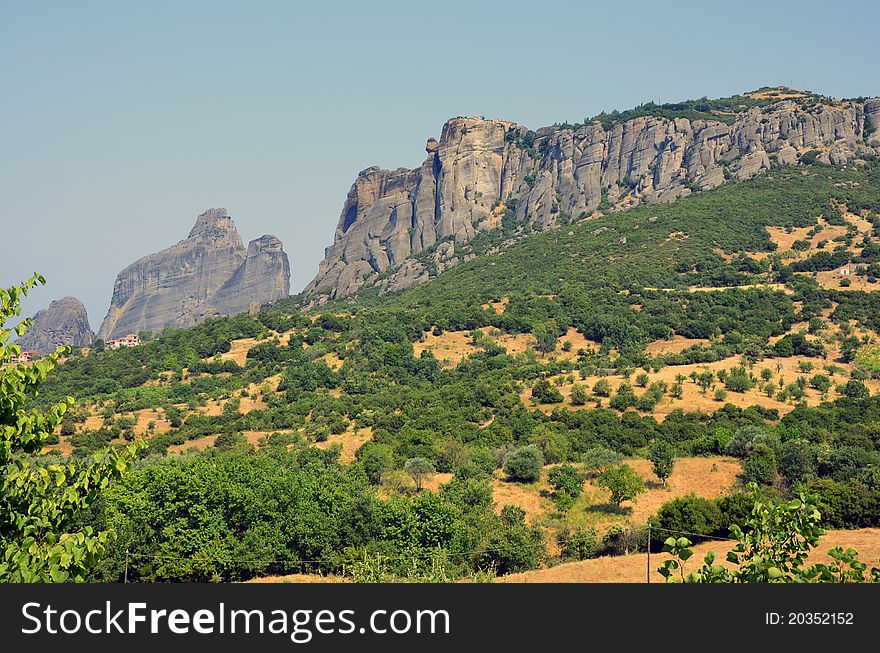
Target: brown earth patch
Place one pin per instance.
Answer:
(634, 568)
(351, 441)
(674, 345)
(199, 444)
(300, 578)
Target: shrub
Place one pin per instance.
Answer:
(625, 398)
(376, 460)
(543, 392)
(797, 461)
(565, 479)
(524, 464)
(743, 439)
(760, 466)
(598, 458)
(844, 505)
(602, 388)
(578, 395)
(738, 380)
(623, 540)
(578, 544)
(688, 514)
(855, 390)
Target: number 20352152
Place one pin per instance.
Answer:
(808, 618)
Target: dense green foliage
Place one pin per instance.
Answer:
(40, 497)
(234, 515)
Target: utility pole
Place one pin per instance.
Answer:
(649, 553)
(125, 577)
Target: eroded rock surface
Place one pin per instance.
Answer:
(209, 273)
(480, 167)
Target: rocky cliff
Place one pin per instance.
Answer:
(485, 174)
(64, 322)
(209, 273)
(263, 275)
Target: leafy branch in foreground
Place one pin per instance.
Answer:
(38, 501)
(772, 548)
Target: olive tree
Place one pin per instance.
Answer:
(420, 469)
(524, 464)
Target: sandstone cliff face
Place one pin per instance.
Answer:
(209, 273)
(478, 166)
(263, 276)
(64, 322)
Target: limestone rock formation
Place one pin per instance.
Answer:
(479, 169)
(64, 322)
(209, 273)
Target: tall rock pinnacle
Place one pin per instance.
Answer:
(208, 273)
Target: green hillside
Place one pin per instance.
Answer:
(679, 323)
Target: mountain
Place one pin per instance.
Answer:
(399, 228)
(209, 273)
(739, 326)
(64, 322)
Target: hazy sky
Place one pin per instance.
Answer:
(122, 121)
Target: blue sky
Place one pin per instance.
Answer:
(121, 121)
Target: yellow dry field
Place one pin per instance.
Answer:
(534, 498)
(452, 347)
(499, 307)
(350, 441)
(300, 578)
(214, 407)
(144, 417)
(784, 239)
(693, 398)
(832, 279)
(254, 438)
(707, 477)
(193, 445)
(578, 342)
(63, 447)
(516, 343)
(333, 361)
(777, 287)
(634, 568)
(249, 404)
(674, 345)
(779, 93)
(436, 480)
(239, 348)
